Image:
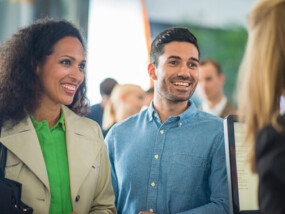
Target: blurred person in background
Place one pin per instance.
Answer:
(58, 156)
(262, 81)
(96, 112)
(211, 89)
(148, 96)
(125, 101)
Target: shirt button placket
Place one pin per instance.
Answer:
(154, 173)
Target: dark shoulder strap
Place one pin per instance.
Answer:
(3, 157)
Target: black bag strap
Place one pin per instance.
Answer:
(3, 158)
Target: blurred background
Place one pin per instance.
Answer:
(119, 32)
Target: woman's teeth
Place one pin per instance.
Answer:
(69, 87)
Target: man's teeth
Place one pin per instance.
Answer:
(72, 88)
(181, 84)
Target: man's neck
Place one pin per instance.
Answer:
(166, 108)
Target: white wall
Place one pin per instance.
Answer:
(116, 45)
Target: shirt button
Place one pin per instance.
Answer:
(156, 156)
(151, 210)
(161, 131)
(153, 184)
(77, 198)
(180, 124)
(155, 114)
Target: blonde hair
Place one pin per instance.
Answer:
(262, 72)
(109, 115)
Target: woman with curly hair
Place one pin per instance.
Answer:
(58, 156)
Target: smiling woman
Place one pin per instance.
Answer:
(56, 154)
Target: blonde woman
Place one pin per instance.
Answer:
(125, 100)
(262, 77)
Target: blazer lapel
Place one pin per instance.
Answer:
(22, 140)
(80, 149)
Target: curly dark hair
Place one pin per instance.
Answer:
(19, 57)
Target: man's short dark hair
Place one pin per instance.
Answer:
(107, 85)
(215, 63)
(167, 36)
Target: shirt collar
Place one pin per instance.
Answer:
(187, 114)
(218, 109)
(59, 123)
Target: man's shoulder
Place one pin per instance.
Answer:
(133, 120)
(128, 127)
(207, 117)
(207, 122)
(96, 107)
(96, 112)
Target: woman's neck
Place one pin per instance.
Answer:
(50, 114)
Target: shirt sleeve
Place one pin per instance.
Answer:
(104, 197)
(219, 200)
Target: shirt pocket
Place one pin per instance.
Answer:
(188, 173)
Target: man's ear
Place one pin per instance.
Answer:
(222, 78)
(151, 71)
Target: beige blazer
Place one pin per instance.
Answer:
(90, 181)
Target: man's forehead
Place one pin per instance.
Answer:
(177, 48)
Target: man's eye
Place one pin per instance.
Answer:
(65, 62)
(192, 65)
(173, 62)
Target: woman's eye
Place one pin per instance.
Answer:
(65, 62)
(81, 66)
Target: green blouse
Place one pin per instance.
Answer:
(53, 145)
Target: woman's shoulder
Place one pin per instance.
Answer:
(269, 138)
(82, 125)
(270, 131)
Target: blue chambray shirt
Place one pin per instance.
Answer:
(175, 167)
